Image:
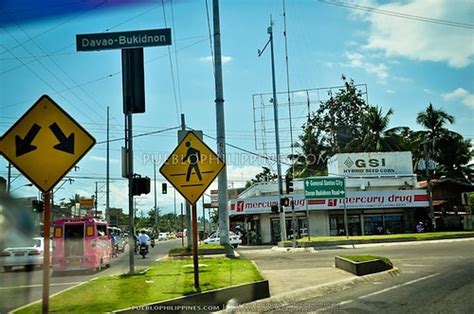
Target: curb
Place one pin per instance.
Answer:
(282, 300)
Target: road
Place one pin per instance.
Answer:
(20, 287)
(435, 277)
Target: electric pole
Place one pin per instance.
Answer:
(220, 123)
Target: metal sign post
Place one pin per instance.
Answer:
(46, 253)
(195, 245)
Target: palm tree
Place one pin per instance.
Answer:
(374, 135)
(434, 120)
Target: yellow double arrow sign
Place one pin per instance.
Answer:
(45, 143)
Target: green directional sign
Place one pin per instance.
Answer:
(324, 188)
(122, 40)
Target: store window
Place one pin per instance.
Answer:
(393, 223)
(336, 225)
(372, 224)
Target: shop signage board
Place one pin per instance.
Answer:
(324, 188)
(45, 143)
(192, 167)
(354, 200)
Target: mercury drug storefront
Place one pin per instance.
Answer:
(383, 203)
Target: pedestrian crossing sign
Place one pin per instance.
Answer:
(192, 167)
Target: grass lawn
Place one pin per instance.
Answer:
(366, 258)
(164, 280)
(403, 236)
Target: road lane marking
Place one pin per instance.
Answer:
(334, 306)
(398, 286)
(41, 285)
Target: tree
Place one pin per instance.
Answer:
(312, 154)
(339, 118)
(264, 176)
(374, 135)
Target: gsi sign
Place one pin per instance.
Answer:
(379, 163)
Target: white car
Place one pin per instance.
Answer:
(163, 236)
(28, 256)
(214, 238)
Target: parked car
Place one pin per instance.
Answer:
(28, 255)
(214, 238)
(163, 236)
(179, 234)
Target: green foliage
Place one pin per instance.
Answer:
(265, 175)
(339, 118)
(374, 136)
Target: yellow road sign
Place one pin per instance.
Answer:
(192, 167)
(45, 143)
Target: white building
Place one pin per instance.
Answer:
(381, 191)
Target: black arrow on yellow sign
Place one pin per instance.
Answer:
(66, 143)
(23, 145)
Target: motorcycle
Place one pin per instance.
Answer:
(152, 242)
(143, 250)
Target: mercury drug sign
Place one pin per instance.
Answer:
(121, 40)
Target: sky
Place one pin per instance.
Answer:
(405, 55)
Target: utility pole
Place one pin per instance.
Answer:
(277, 135)
(107, 175)
(95, 199)
(428, 186)
(9, 178)
(155, 208)
(220, 124)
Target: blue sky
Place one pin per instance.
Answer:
(404, 62)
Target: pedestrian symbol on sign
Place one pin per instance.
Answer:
(194, 156)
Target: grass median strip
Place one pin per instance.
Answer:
(163, 281)
(375, 238)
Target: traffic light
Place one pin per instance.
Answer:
(140, 185)
(274, 209)
(289, 184)
(164, 188)
(37, 206)
(285, 201)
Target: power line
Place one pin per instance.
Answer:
(141, 134)
(171, 69)
(400, 15)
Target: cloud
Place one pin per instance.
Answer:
(461, 95)
(357, 60)
(225, 59)
(424, 41)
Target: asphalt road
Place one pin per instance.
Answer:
(435, 277)
(20, 287)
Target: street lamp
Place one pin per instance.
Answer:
(28, 184)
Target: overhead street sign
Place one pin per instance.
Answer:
(192, 167)
(324, 188)
(121, 40)
(45, 143)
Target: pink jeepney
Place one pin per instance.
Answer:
(81, 243)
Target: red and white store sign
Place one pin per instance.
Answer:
(354, 199)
